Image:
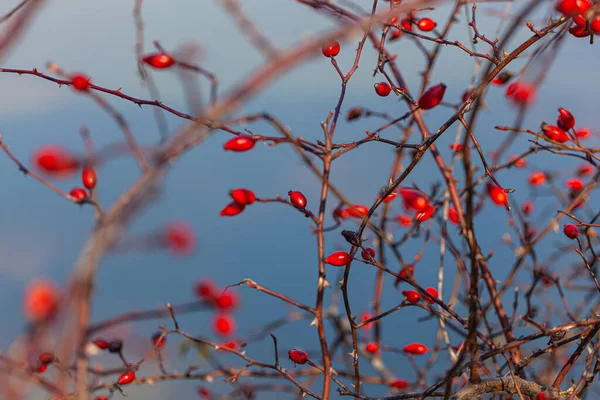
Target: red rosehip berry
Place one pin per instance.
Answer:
(407, 272)
(80, 82)
(157, 341)
(298, 356)
(406, 23)
(453, 215)
(357, 210)
(365, 316)
(371, 347)
(338, 259)
(240, 143)
(412, 296)
(180, 238)
(41, 369)
(572, 7)
(368, 253)
(574, 183)
(243, 196)
(101, 344)
(426, 24)
(232, 209)
(297, 199)
(537, 178)
(414, 199)
(56, 161)
(424, 215)
(580, 20)
(519, 163)
(88, 177)
(579, 31)
(389, 197)
(383, 89)
(585, 169)
(160, 60)
(404, 220)
(565, 119)
(398, 384)
(227, 301)
(331, 49)
(466, 95)
(502, 78)
(433, 294)
(595, 25)
(527, 207)
(126, 377)
(432, 97)
(396, 34)
(79, 194)
(571, 231)
(542, 396)
(583, 133)
(555, 133)
(205, 289)
(456, 147)
(41, 300)
(521, 93)
(46, 358)
(415, 348)
(497, 194)
(224, 325)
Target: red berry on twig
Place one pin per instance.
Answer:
(159, 60)
(338, 259)
(331, 49)
(298, 356)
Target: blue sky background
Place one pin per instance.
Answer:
(41, 234)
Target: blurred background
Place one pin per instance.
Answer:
(41, 233)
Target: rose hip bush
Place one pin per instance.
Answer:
(482, 270)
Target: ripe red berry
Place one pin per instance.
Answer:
(88, 177)
(574, 183)
(368, 253)
(157, 341)
(179, 238)
(126, 377)
(519, 163)
(243, 196)
(579, 31)
(297, 199)
(371, 347)
(583, 133)
(572, 7)
(224, 325)
(80, 82)
(565, 119)
(502, 78)
(432, 97)
(571, 231)
(331, 49)
(537, 178)
(404, 220)
(383, 89)
(389, 197)
(365, 316)
(338, 259)
(580, 20)
(453, 215)
(79, 194)
(46, 358)
(456, 147)
(595, 25)
(407, 272)
(42, 368)
(357, 210)
(232, 209)
(412, 296)
(205, 289)
(555, 133)
(414, 199)
(227, 301)
(398, 384)
(433, 294)
(542, 396)
(466, 95)
(55, 161)
(406, 23)
(426, 24)
(527, 207)
(101, 398)
(298, 356)
(585, 169)
(101, 344)
(497, 194)
(425, 214)
(159, 60)
(415, 348)
(396, 34)
(521, 93)
(240, 143)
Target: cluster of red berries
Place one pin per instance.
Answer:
(224, 302)
(412, 296)
(586, 20)
(240, 199)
